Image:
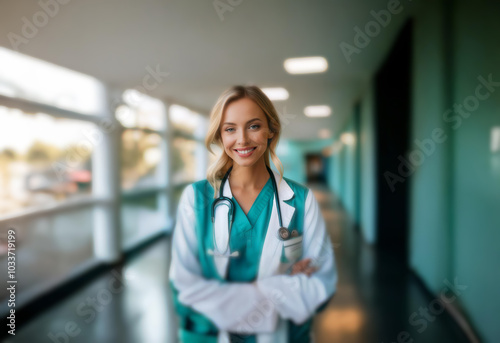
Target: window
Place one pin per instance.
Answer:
(141, 154)
(190, 157)
(184, 160)
(144, 209)
(44, 160)
(36, 80)
(57, 164)
(141, 111)
(187, 122)
(49, 118)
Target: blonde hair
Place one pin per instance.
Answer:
(217, 169)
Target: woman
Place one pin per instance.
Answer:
(262, 278)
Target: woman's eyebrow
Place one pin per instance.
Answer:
(251, 120)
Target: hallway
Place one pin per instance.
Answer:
(376, 295)
(375, 300)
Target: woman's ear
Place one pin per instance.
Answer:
(270, 138)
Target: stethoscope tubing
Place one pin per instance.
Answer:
(223, 200)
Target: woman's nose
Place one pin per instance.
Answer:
(242, 137)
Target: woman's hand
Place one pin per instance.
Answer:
(303, 266)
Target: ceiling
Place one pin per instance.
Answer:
(204, 53)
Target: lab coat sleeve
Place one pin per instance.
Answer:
(302, 295)
(233, 307)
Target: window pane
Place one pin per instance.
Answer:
(33, 79)
(48, 248)
(184, 160)
(43, 159)
(141, 111)
(187, 121)
(213, 157)
(141, 154)
(142, 215)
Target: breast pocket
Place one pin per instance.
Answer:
(292, 249)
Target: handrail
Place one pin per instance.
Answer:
(83, 201)
(31, 106)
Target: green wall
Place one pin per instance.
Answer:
(368, 157)
(292, 155)
(430, 223)
(476, 179)
(346, 168)
(349, 180)
(455, 190)
(455, 221)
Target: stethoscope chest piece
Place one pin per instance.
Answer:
(284, 233)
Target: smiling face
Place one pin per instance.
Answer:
(244, 131)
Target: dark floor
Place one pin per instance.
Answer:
(374, 301)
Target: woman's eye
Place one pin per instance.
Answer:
(256, 126)
(229, 129)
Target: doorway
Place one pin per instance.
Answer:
(316, 168)
(392, 127)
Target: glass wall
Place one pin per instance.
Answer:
(144, 178)
(76, 172)
(44, 160)
(45, 83)
(48, 116)
(189, 155)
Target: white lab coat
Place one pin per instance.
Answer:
(264, 306)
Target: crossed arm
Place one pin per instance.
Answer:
(239, 307)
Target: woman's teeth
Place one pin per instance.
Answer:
(245, 151)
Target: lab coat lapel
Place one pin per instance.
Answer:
(271, 252)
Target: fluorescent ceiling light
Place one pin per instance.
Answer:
(276, 93)
(306, 65)
(318, 111)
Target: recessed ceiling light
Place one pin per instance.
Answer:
(306, 65)
(324, 133)
(276, 93)
(318, 111)
(495, 139)
(348, 138)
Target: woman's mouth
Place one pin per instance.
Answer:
(245, 152)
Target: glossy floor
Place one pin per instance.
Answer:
(375, 299)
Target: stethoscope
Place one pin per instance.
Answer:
(283, 232)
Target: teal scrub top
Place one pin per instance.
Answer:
(247, 236)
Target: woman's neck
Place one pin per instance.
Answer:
(249, 178)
